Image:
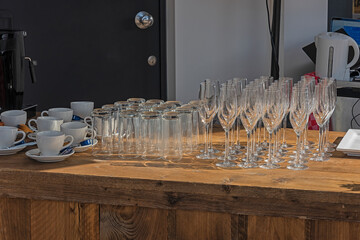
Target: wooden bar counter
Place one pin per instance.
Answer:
(86, 198)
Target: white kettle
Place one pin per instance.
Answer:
(332, 51)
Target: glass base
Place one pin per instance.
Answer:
(239, 147)
(329, 149)
(302, 161)
(285, 145)
(297, 167)
(253, 159)
(320, 159)
(206, 156)
(270, 165)
(234, 152)
(230, 158)
(248, 165)
(226, 164)
(211, 150)
(278, 160)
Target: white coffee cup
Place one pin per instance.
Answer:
(78, 130)
(13, 117)
(8, 136)
(46, 124)
(82, 108)
(64, 113)
(50, 143)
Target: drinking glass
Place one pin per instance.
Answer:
(151, 135)
(100, 124)
(227, 115)
(240, 84)
(321, 113)
(129, 134)
(288, 85)
(298, 119)
(271, 113)
(155, 101)
(207, 111)
(249, 115)
(172, 144)
(185, 114)
(136, 100)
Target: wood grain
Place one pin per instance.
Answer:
(117, 222)
(14, 218)
(202, 225)
(263, 227)
(63, 220)
(329, 190)
(333, 230)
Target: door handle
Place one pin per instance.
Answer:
(143, 20)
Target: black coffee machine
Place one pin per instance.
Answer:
(12, 69)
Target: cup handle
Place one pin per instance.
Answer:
(355, 46)
(71, 141)
(43, 112)
(88, 121)
(92, 133)
(22, 138)
(31, 127)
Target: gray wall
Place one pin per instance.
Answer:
(221, 39)
(339, 8)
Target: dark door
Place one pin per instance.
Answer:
(91, 50)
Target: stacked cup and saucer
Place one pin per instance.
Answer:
(79, 128)
(10, 132)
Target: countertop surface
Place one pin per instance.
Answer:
(327, 190)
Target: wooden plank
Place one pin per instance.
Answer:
(334, 230)
(117, 222)
(63, 220)
(14, 218)
(329, 190)
(280, 228)
(202, 225)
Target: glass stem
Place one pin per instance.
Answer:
(305, 134)
(298, 146)
(210, 134)
(253, 151)
(226, 145)
(275, 141)
(321, 139)
(326, 134)
(248, 149)
(238, 131)
(206, 150)
(284, 129)
(270, 153)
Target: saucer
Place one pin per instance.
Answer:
(12, 150)
(32, 136)
(86, 147)
(35, 154)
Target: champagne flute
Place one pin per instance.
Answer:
(271, 112)
(207, 111)
(298, 119)
(227, 115)
(249, 115)
(321, 112)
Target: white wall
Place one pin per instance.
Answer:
(221, 39)
(303, 20)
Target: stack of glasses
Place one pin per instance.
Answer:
(151, 129)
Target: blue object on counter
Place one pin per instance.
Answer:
(66, 151)
(76, 118)
(22, 142)
(86, 142)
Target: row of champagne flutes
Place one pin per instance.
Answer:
(268, 101)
